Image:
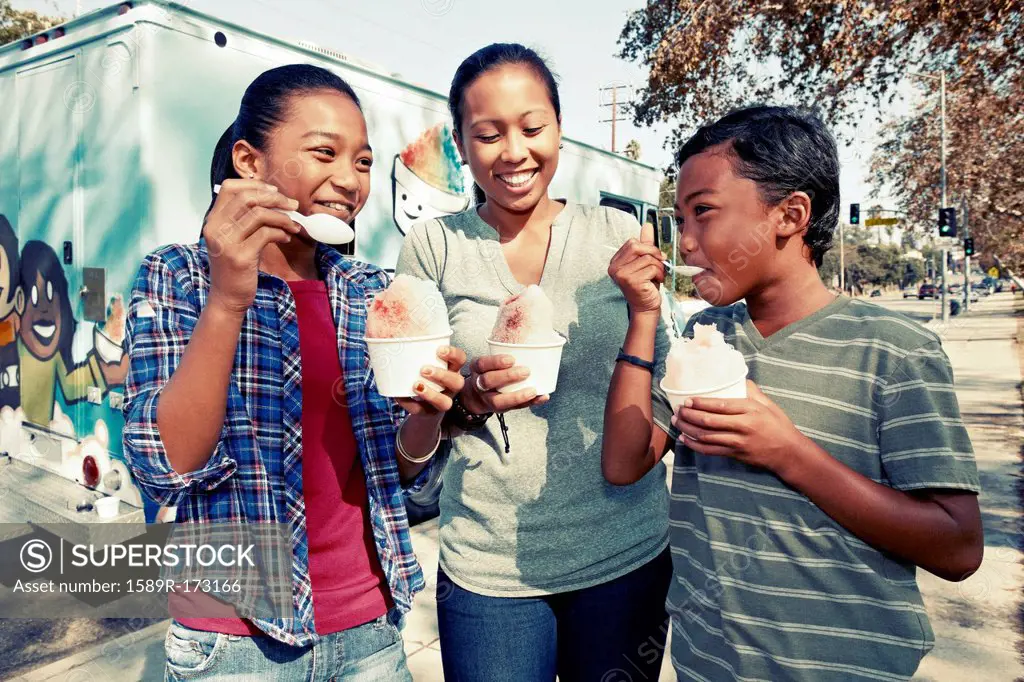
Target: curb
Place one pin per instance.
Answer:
(50, 670)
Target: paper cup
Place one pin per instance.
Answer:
(108, 349)
(396, 363)
(733, 389)
(108, 507)
(542, 359)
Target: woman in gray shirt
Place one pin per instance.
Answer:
(545, 568)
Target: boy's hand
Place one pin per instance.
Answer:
(638, 271)
(753, 430)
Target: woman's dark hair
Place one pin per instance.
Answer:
(37, 258)
(783, 150)
(264, 107)
(491, 57)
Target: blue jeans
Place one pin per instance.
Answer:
(367, 653)
(613, 632)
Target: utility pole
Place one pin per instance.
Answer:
(942, 173)
(967, 259)
(842, 258)
(614, 104)
(944, 247)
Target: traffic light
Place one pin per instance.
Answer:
(947, 222)
(968, 246)
(855, 214)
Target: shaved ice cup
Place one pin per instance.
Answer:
(734, 389)
(542, 359)
(397, 363)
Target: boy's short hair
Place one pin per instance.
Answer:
(9, 244)
(783, 150)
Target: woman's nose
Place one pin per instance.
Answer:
(515, 149)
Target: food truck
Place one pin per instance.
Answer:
(108, 127)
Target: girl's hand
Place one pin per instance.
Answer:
(241, 223)
(433, 402)
(637, 269)
(489, 373)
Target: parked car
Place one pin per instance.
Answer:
(876, 293)
(909, 292)
(927, 291)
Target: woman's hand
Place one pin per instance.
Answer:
(431, 402)
(491, 372)
(241, 223)
(638, 271)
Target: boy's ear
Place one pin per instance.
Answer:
(244, 157)
(19, 301)
(796, 214)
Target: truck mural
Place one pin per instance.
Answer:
(48, 327)
(427, 179)
(105, 146)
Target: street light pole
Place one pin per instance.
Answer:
(942, 177)
(842, 258)
(967, 259)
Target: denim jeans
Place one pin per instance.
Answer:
(367, 653)
(613, 632)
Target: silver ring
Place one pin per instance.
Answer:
(476, 383)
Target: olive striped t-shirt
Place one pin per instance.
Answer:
(767, 586)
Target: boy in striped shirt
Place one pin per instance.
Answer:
(800, 514)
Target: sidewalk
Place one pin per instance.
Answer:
(139, 657)
(976, 623)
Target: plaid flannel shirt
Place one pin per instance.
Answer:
(254, 474)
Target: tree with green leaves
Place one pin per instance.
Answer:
(632, 150)
(16, 24)
(985, 161)
(705, 58)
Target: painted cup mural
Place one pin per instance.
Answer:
(427, 179)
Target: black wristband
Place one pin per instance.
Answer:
(634, 360)
(463, 419)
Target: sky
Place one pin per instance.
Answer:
(425, 40)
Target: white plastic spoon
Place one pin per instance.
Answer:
(320, 226)
(684, 270)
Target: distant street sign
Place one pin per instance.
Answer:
(872, 222)
(993, 271)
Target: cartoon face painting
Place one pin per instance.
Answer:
(46, 334)
(12, 302)
(42, 320)
(9, 289)
(10, 284)
(427, 179)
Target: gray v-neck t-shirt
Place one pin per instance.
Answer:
(541, 519)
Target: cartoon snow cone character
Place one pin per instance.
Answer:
(427, 179)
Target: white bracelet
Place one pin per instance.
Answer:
(406, 455)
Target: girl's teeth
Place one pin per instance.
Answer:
(516, 180)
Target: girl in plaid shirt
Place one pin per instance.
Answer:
(249, 398)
